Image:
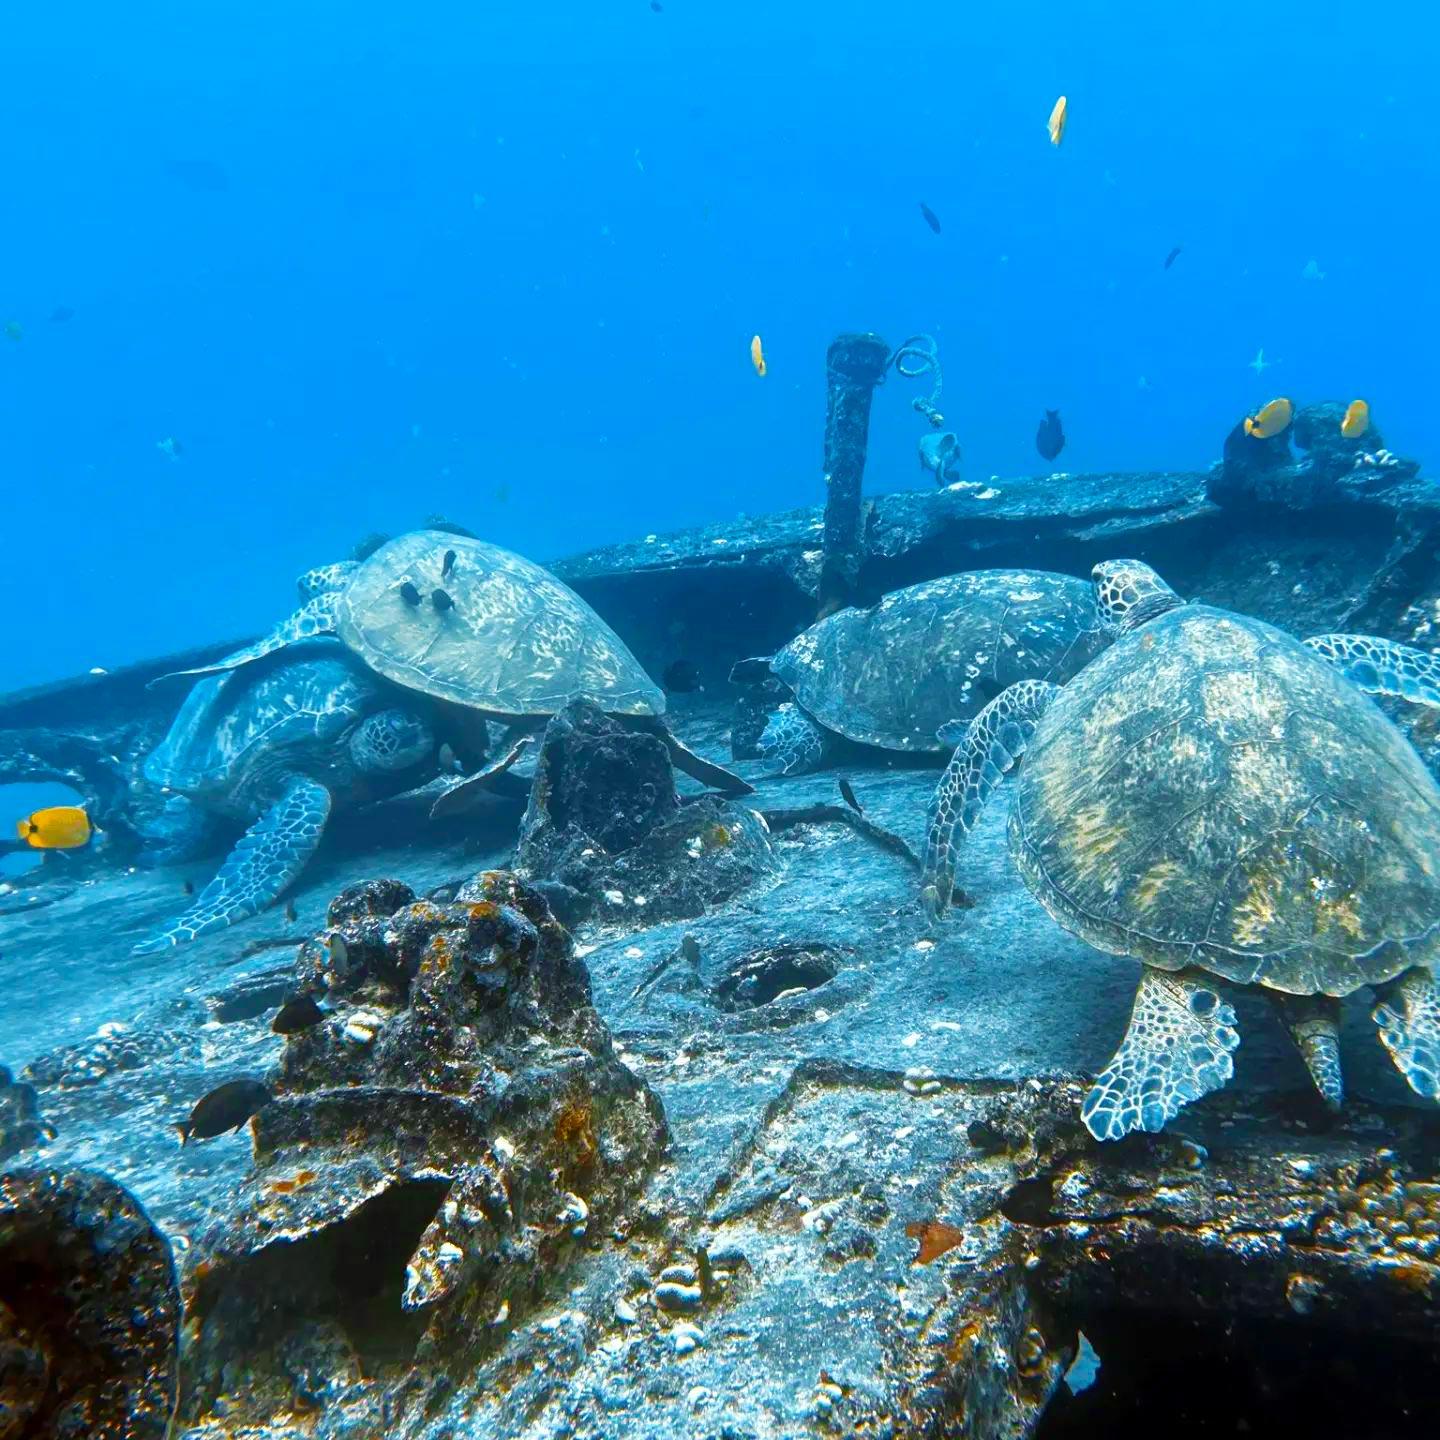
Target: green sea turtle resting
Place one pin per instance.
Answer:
(480, 628)
(1217, 799)
(279, 745)
(891, 675)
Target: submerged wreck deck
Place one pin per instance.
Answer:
(810, 1165)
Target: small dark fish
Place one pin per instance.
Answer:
(188, 886)
(1050, 438)
(681, 677)
(931, 218)
(447, 565)
(60, 314)
(441, 601)
(409, 594)
(290, 915)
(502, 493)
(226, 1108)
(1170, 258)
(297, 1015)
(849, 796)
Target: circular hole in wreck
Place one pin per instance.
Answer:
(775, 973)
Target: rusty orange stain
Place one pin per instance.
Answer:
(935, 1237)
(298, 1181)
(1414, 1277)
(575, 1132)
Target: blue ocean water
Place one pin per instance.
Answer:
(363, 262)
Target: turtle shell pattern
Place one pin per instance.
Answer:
(517, 641)
(243, 725)
(892, 675)
(1209, 792)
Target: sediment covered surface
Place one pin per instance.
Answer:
(833, 1179)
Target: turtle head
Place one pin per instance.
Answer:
(391, 741)
(1129, 593)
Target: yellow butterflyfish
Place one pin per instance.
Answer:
(1271, 419)
(757, 356)
(60, 827)
(1356, 421)
(1057, 120)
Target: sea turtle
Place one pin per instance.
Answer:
(278, 744)
(466, 622)
(1409, 695)
(892, 675)
(1216, 799)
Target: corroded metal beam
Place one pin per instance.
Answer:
(854, 366)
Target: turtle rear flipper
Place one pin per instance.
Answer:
(993, 741)
(1314, 1024)
(1409, 1019)
(1176, 1050)
(1382, 667)
(268, 857)
(792, 741)
(315, 617)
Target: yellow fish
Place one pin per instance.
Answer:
(1271, 419)
(61, 827)
(757, 357)
(1356, 421)
(1057, 120)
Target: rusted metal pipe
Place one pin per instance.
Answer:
(854, 366)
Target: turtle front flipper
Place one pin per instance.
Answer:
(326, 579)
(1409, 1019)
(991, 744)
(465, 794)
(791, 741)
(1314, 1024)
(315, 617)
(1382, 667)
(265, 861)
(697, 767)
(1176, 1049)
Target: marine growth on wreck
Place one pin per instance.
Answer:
(683, 922)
